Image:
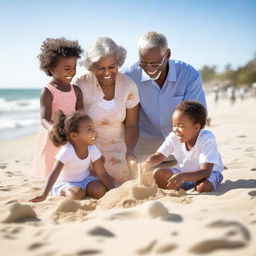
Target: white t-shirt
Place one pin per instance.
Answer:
(205, 150)
(75, 169)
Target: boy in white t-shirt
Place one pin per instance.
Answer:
(199, 163)
(70, 176)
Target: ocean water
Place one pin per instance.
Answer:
(19, 112)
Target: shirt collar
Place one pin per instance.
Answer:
(171, 77)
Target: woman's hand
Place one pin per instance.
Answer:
(39, 198)
(131, 160)
(175, 181)
(146, 165)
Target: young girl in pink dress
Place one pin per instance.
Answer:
(58, 59)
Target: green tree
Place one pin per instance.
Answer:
(208, 73)
(245, 75)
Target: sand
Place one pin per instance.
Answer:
(137, 219)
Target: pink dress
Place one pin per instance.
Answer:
(109, 117)
(46, 151)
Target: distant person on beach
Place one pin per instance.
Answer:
(70, 176)
(199, 163)
(58, 59)
(242, 92)
(231, 92)
(163, 83)
(216, 92)
(111, 99)
(253, 93)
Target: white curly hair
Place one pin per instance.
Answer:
(152, 39)
(104, 46)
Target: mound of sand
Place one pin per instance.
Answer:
(69, 205)
(131, 192)
(17, 212)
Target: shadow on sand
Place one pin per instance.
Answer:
(231, 185)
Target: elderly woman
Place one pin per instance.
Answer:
(111, 99)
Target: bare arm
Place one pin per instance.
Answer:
(131, 135)
(46, 109)
(50, 182)
(79, 98)
(154, 159)
(204, 172)
(102, 174)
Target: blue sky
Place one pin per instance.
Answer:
(212, 32)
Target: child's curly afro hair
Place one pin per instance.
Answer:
(53, 48)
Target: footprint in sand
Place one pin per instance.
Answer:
(162, 247)
(7, 236)
(241, 136)
(87, 252)
(166, 247)
(6, 188)
(3, 165)
(250, 149)
(35, 246)
(174, 233)
(100, 231)
(13, 230)
(236, 236)
(147, 248)
(9, 174)
(151, 209)
(12, 201)
(252, 193)
(33, 189)
(235, 226)
(216, 244)
(253, 169)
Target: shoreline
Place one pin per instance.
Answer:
(18, 148)
(10, 138)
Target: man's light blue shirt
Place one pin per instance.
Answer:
(183, 82)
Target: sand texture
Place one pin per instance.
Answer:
(137, 218)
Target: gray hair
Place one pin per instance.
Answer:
(101, 47)
(151, 40)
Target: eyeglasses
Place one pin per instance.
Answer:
(152, 65)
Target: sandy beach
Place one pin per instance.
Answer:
(134, 220)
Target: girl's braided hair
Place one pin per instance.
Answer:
(64, 125)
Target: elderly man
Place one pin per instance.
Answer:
(162, 83)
